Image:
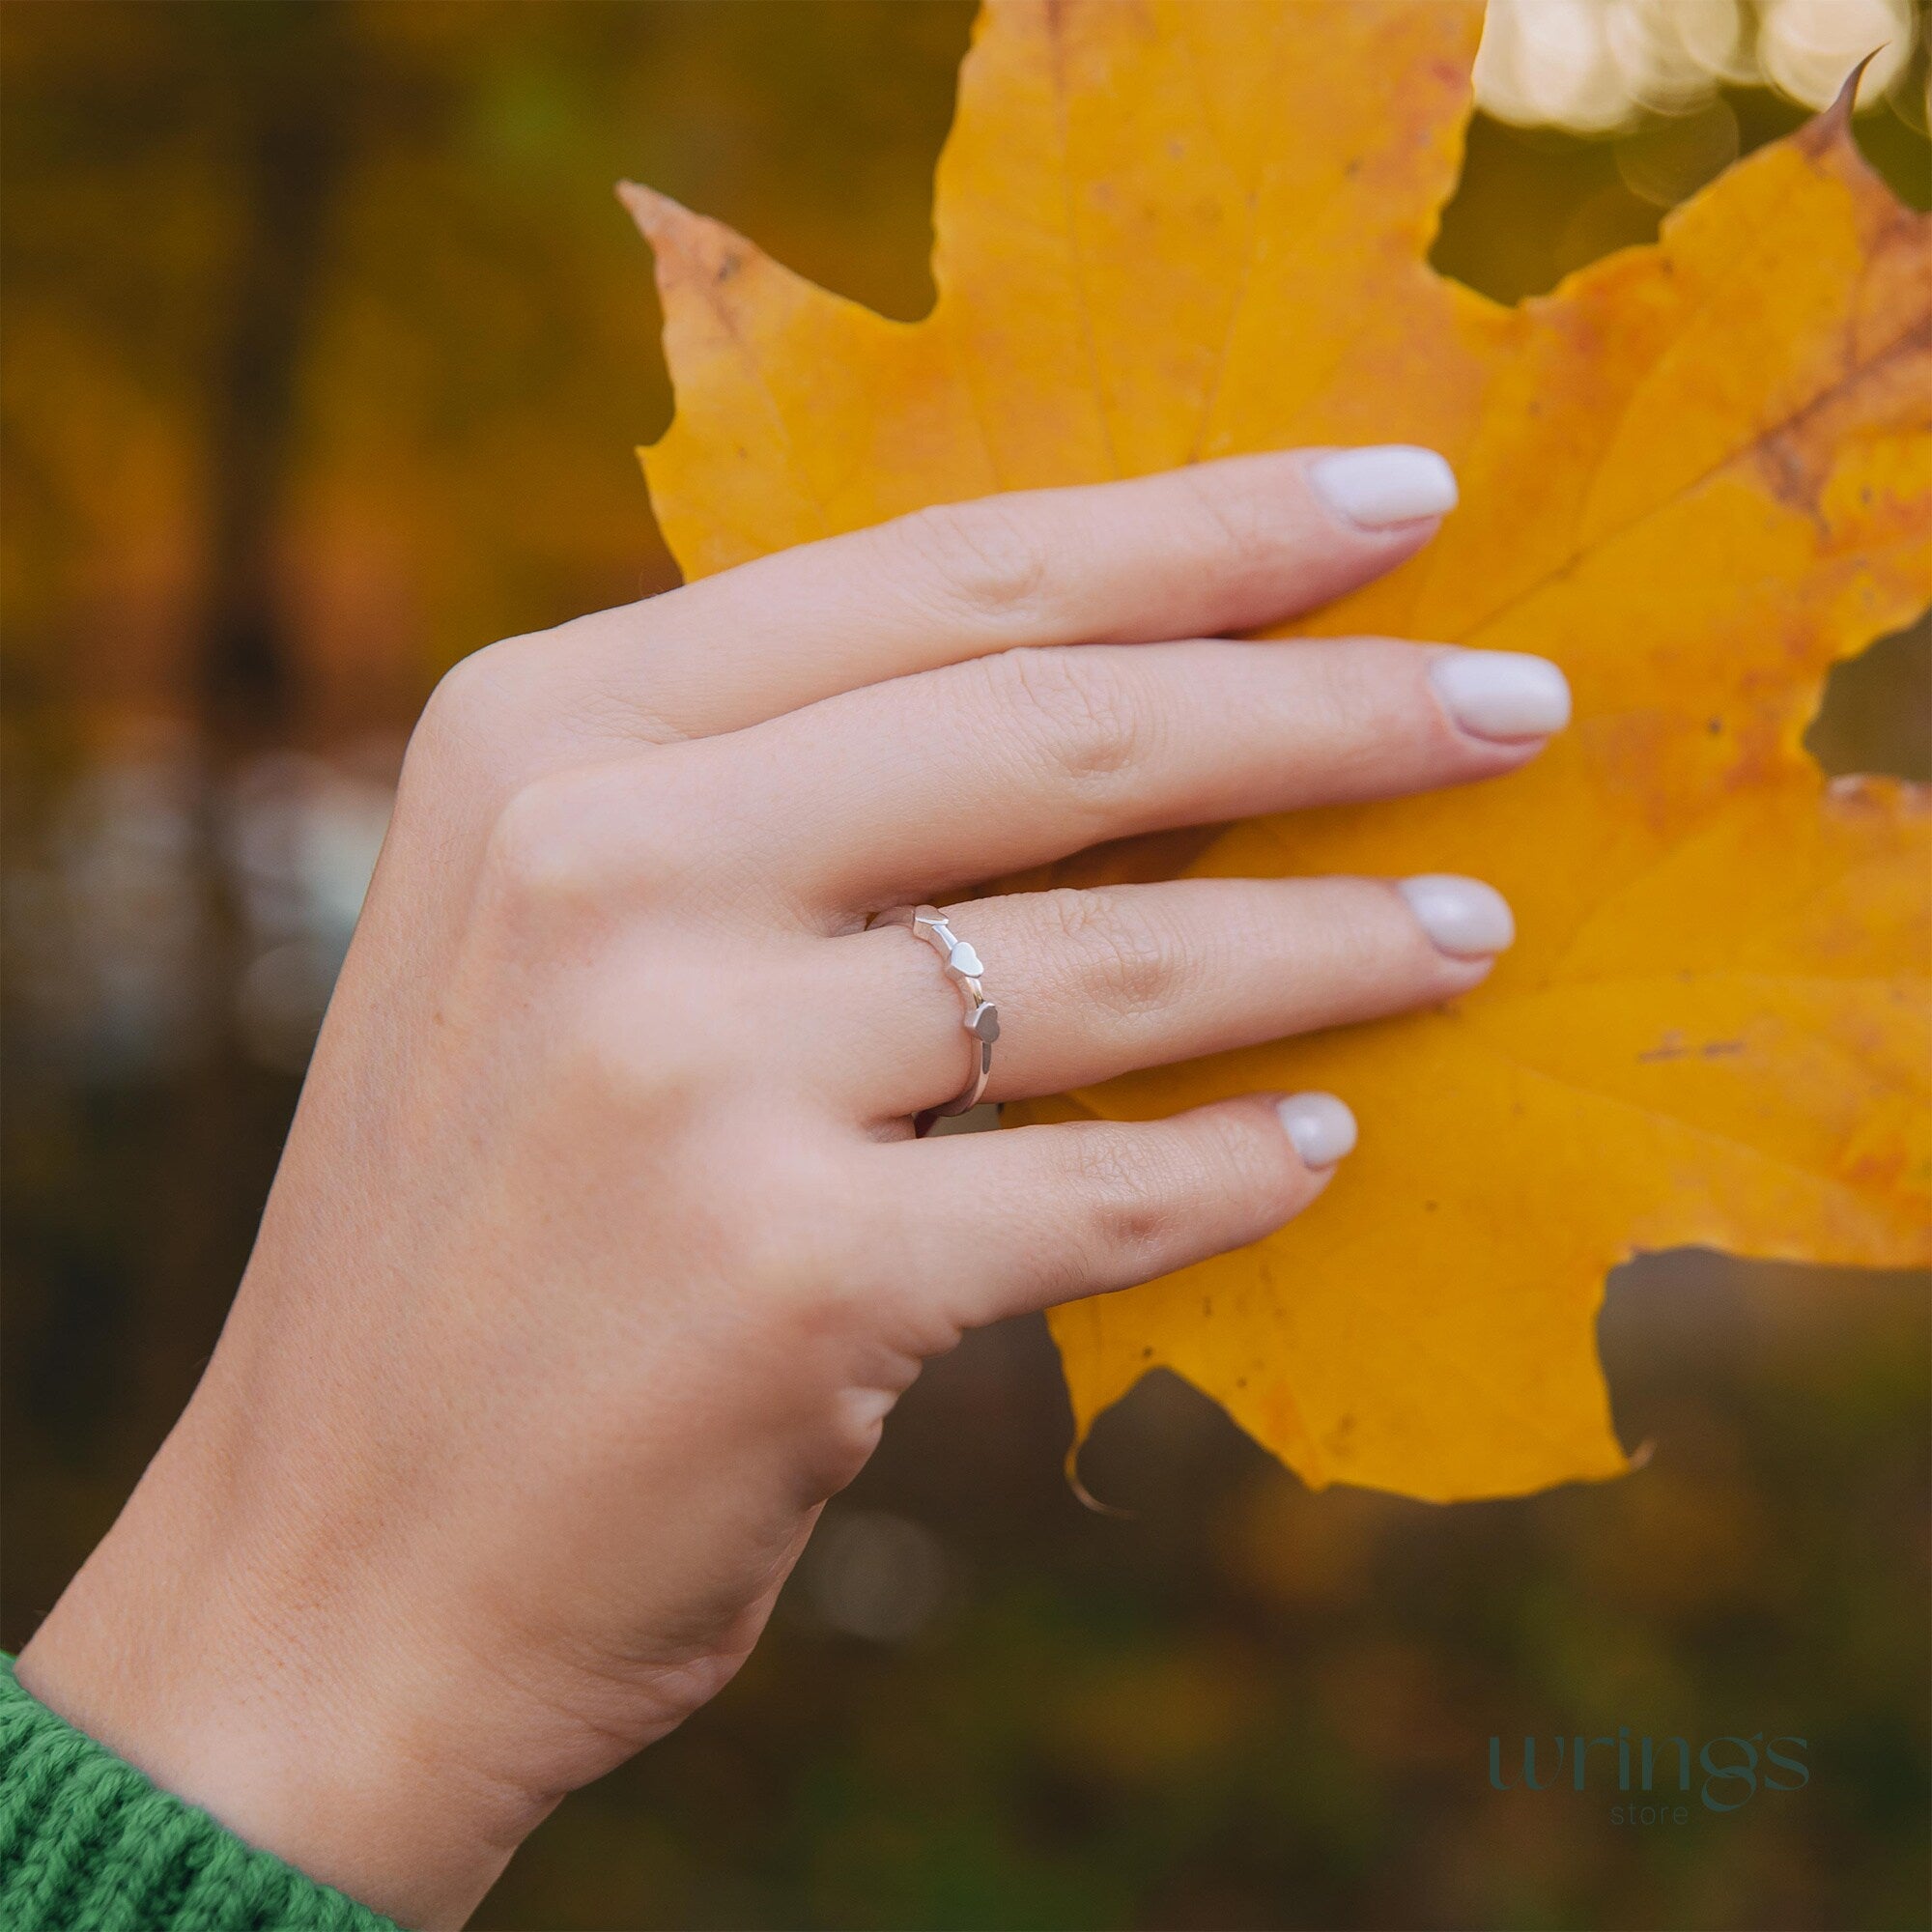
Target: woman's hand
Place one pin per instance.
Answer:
(601, 1247)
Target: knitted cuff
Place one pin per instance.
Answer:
(87, 1844)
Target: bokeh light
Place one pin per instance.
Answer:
(1591, 65)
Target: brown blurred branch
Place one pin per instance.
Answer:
(292, 149)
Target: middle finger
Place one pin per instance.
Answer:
(904, 789)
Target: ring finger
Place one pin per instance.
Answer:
(1099, 982)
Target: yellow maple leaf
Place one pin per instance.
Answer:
(1696, 475)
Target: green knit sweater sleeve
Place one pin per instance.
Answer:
(87, 1844)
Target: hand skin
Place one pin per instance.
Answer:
(601, 1248)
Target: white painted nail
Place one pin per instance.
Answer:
(1462, 917)
(1321, 1126)
(1502, 694)
(1394, 483)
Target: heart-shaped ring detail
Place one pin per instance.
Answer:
(982, 1018)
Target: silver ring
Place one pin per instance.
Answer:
(981, 1019)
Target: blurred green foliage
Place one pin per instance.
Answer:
(325, 347)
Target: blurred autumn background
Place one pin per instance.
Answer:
(325, 346)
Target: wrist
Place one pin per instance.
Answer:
(202, 1643)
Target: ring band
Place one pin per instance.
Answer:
(981, 1019)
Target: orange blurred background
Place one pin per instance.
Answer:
(325, 346)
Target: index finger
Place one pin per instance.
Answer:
(1211, 550)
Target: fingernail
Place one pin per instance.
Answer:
(1462, 917)
(1502, 694)
(1321, 1128)
(1395, 483)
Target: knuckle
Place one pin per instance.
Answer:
(477, 732)
(1157, 1197)
(1254, 1160)
(1131, 1201)
(663, 1078)
(476, 699)
(465, 688)
(982, 556)
(1120, 954)
(1079, 706)
(1366, 697)
(577, 841)
(637, 1072)
(797, 1253)
(1243, 523)
(535, 852)
(835, 1266)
